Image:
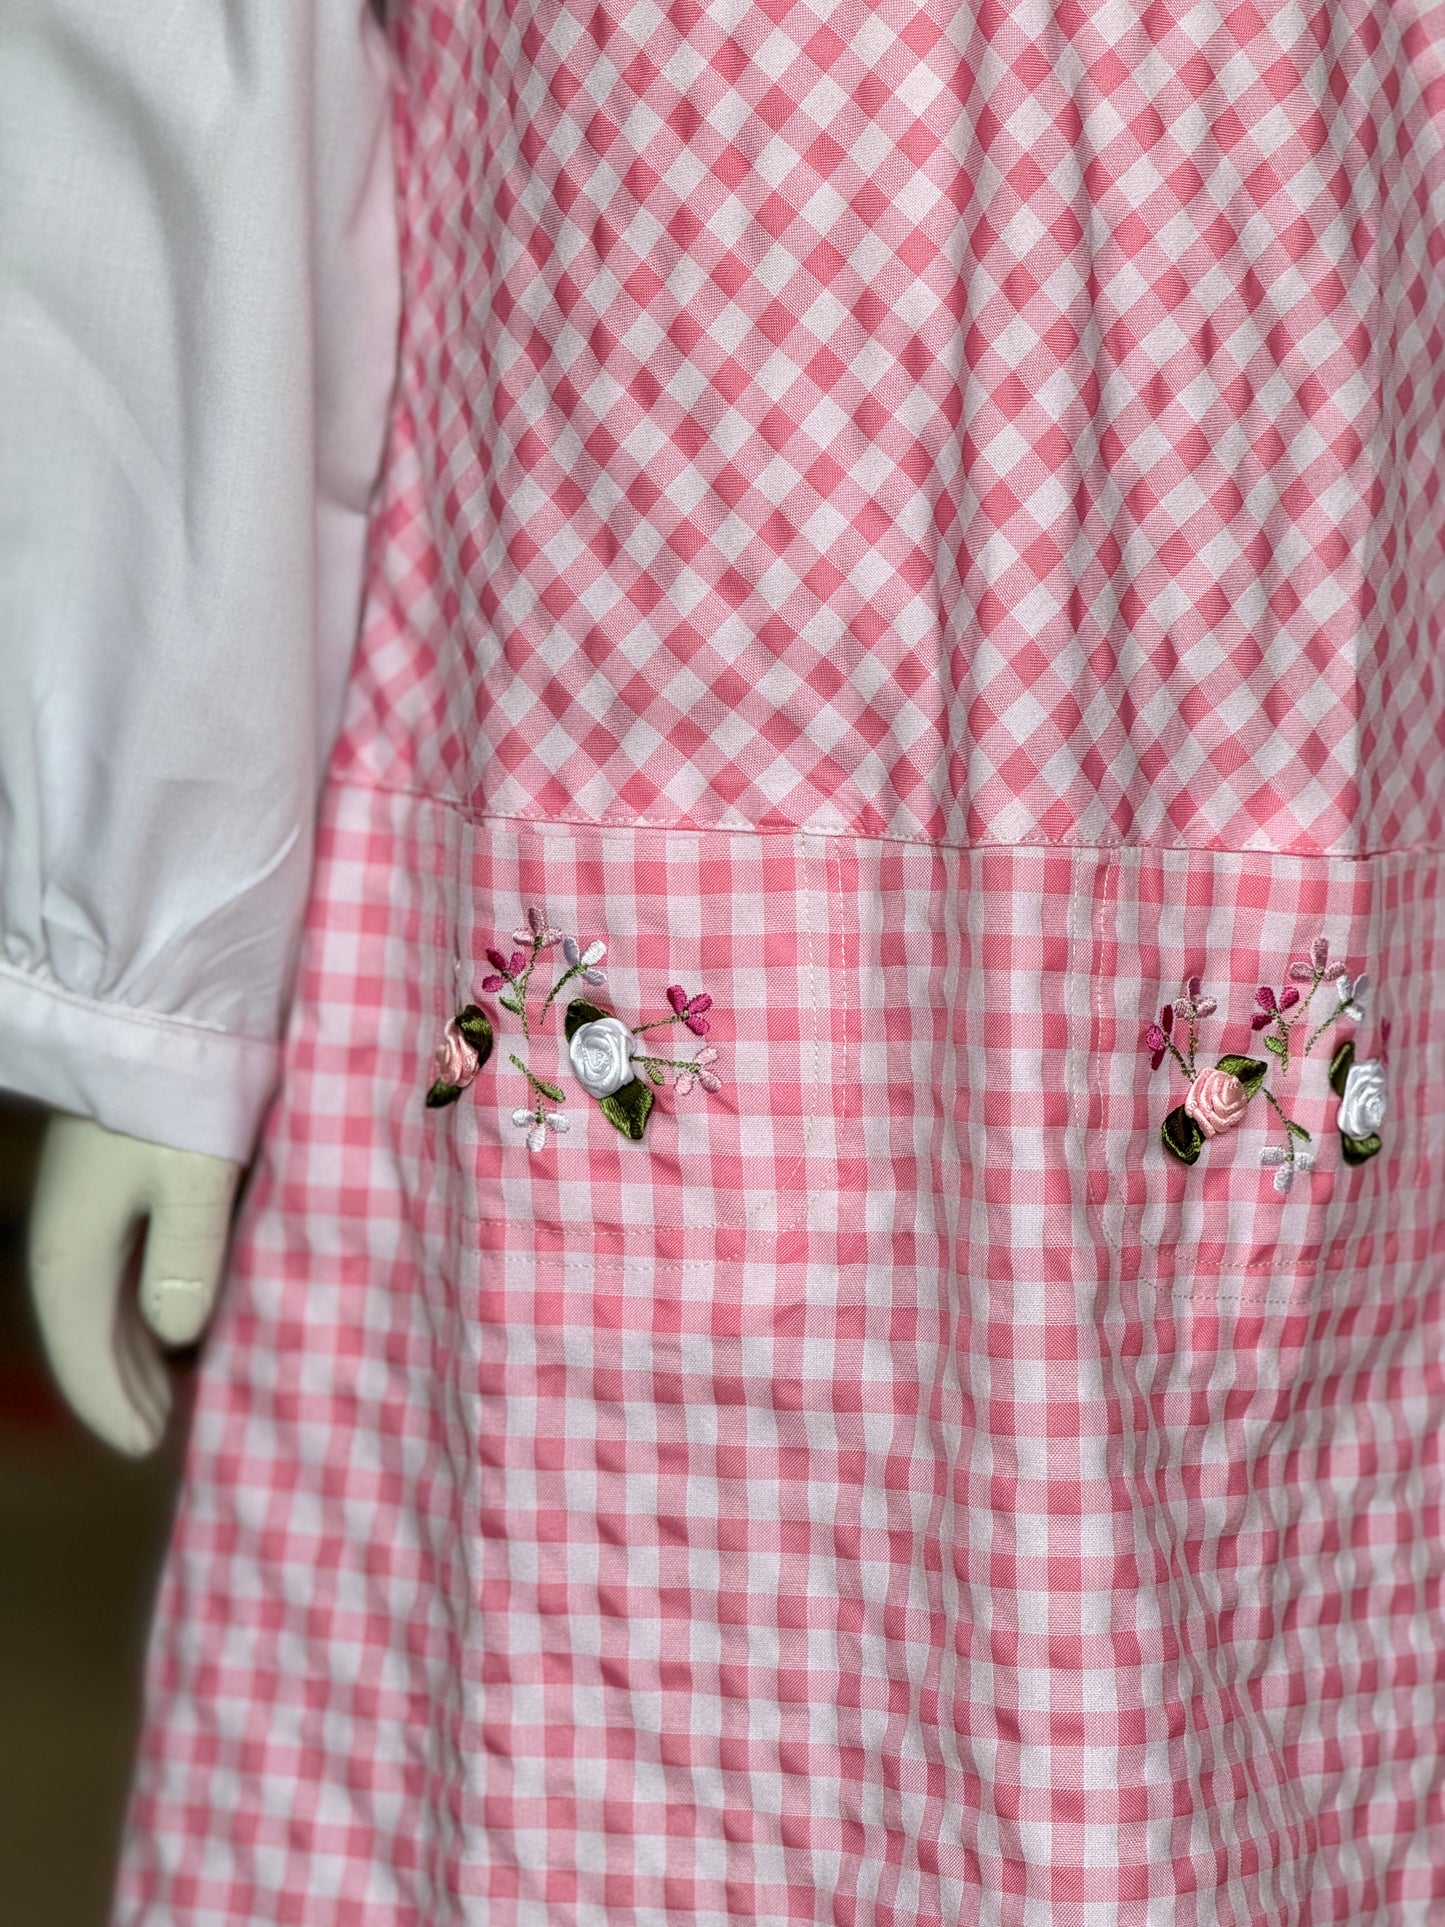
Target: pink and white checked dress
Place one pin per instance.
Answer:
(925, 523)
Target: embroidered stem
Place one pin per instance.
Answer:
(1173, 1050)
(519, 980)
(1278, 1109)
(674, 1017)
(1319, 1031)
(525, 984)
(543, 1089)
(566, 978)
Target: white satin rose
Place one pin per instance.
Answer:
(601, 1055)
(1363, 1105)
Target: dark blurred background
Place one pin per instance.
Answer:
(81, 1536)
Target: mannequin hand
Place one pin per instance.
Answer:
(92, 1191)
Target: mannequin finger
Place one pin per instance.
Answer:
(78, 1322)
(180, 1272)
(78, 1242)
(142, 1369)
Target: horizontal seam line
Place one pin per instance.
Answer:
(473, 816)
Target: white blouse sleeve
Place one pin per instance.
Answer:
(198, 293)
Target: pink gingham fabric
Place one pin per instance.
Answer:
(924, 522)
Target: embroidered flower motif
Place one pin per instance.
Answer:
(1362, 1086)
(1194, 1005)
(1216, 1100)
(1271, 1007)
(1365, 1100)
(1156, 1038)
(583, 961)
(1286, 1166)
(507, 969)
(601, 1053)
(1216, 1097)
(1352, 997)
(537, 931)
(466, 1044)
(455, 1061)
(698, 1072)
(1319, 968)
(537, 1124)
(1190, 1009)
(605, 1055)
(690, 1009)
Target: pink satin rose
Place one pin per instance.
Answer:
(1216, 1101)
(455, 1061)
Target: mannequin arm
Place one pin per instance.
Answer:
(93, 1190)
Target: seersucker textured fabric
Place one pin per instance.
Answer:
(923, 522)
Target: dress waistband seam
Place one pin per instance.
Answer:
(475, 818)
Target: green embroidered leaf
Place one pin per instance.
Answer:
(1250, 1071)
(655, 1072)
(628, 1108)
(1182, 1137)
(1278, 1045)
(440, 1095)
(1358, 1149)
(1340, 1070)
(510, 1003)
(475, 1026)
(549, 1090)
(580, 1012)
(1296, 1130)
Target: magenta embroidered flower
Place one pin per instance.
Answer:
(690, 1009)
(1270, 1006)
(509, 967)
(1159, 1037)
(1216, 1100)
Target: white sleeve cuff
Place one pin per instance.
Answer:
(157, 1078)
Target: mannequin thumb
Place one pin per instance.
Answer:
(180, 1269)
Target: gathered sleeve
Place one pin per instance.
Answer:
(198, 295)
